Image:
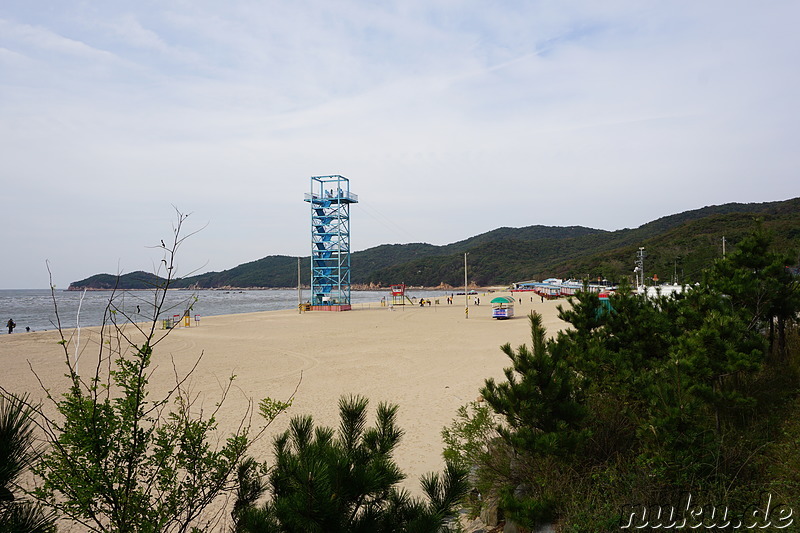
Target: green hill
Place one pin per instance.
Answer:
(677, 246)
(132, 280)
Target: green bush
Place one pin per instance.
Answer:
(345, 481)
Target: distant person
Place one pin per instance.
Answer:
(10, 325)
(28, 329)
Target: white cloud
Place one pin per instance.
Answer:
(43, 41)
(623, 111)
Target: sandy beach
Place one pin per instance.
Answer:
(427, 360)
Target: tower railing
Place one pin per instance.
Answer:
(335, 195)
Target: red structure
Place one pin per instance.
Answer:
(399, 295)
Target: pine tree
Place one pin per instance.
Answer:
(541, 402)
(758, 283)
(16, 453)
(345, 481)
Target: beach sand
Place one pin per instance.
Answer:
(427, 360)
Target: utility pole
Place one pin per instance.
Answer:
(299, 289)
(675, 273)
(466, 294)
(640, 255)
(723, 246)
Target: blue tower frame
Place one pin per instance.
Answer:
(330, 200)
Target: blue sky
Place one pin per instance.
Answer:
(449, 118)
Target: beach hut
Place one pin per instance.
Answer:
(503, 307)
(605, 305)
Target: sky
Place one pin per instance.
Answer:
(449, 118)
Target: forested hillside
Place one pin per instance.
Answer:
(678, 247)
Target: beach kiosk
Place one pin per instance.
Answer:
(503, 307)
(605, 305)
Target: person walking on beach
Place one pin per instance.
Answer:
(11, 325)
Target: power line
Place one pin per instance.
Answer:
(385, 221)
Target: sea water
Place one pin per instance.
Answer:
(41, 309)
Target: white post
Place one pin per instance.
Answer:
(299, 290)
(641, 254)
(78, 327)
(466, 293)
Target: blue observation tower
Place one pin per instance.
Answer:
(330, 200)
